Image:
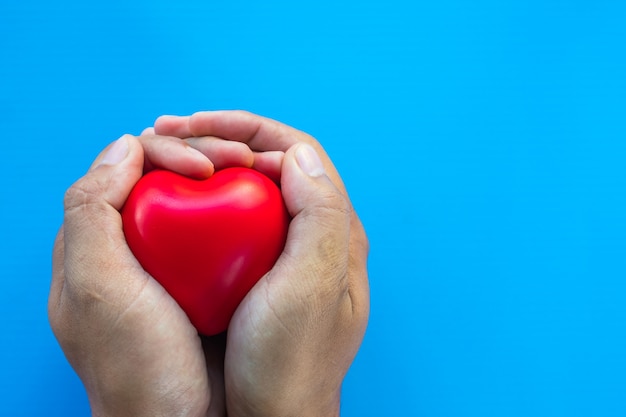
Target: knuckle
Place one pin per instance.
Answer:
(334, 204)
(60, 318)
(359, 235)
(332, 255)
(82, 194)
(76, 195)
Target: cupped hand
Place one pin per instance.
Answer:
(130, 343)
(293, 338)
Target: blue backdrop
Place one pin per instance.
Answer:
(483, 144)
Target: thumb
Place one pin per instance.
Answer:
(93, 236)
(116, 170)
(319, 233)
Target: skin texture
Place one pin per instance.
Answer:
(291, 340)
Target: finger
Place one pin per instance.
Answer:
(269, 163)
(176, 155)
(266, 162)
(93, 225)
(148, 131)
(259, 133)
(317, 244)
(223, 153)
(323, 247)
(169, 153)
(173, 126)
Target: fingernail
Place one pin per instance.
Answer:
(309, 161)
(116, 153)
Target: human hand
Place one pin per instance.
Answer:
(130, 343)
(294, 336)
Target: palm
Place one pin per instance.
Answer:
(251, 358)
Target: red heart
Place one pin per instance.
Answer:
(206, 241)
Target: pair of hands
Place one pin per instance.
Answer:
(291, 340)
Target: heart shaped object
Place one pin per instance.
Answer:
(206, 241)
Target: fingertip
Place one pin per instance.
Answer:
(269, 163)
(164, 118)
(116, 152)
(175, 154)
(168, 125)
(246, 156)
(125, 174)
(223, 153)
(304, 181)
(205, 167)
(309, 161)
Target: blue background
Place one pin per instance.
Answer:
(483, 144)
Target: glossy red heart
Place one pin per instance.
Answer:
(206, 241)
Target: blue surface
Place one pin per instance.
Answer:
(483, 144)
